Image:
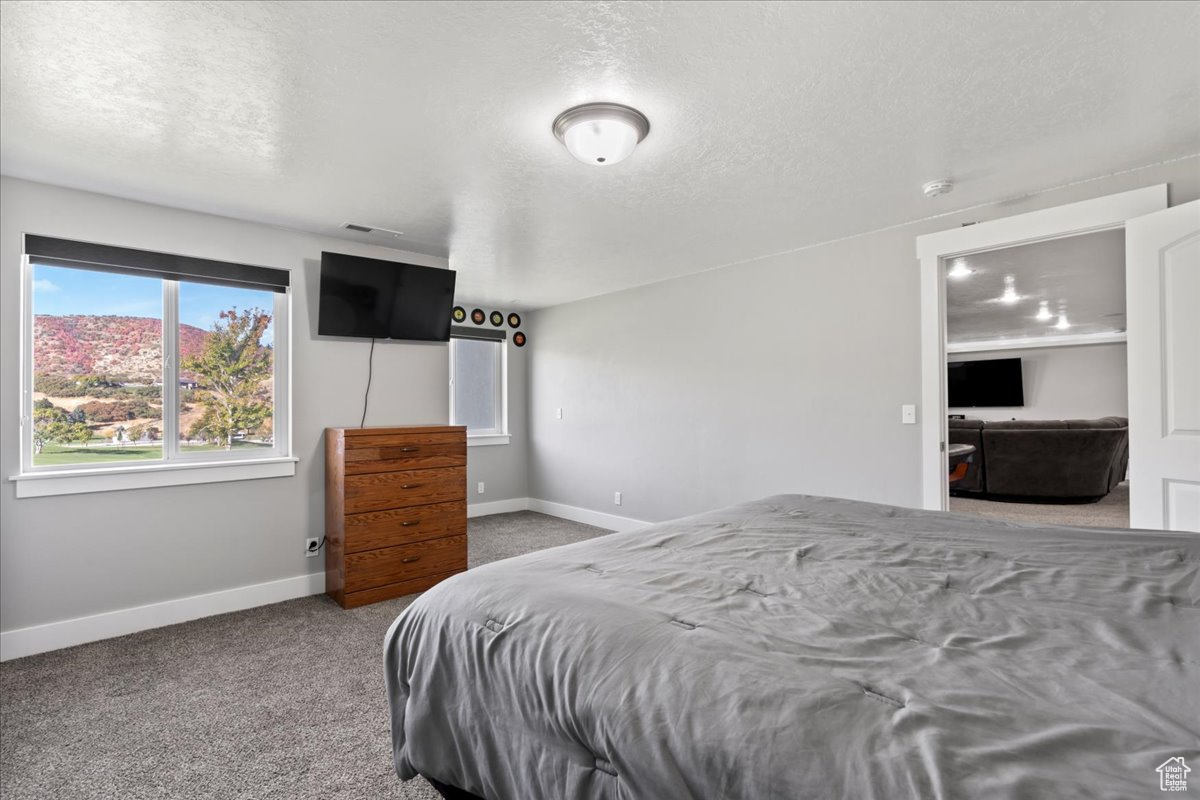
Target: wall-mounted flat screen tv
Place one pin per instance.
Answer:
(985, 384)
(371, 298)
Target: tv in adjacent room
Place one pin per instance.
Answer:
(372, 298)
(985, 384)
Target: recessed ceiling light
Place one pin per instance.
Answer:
(960, 269)
(1044, 311)
(601, 134)
(1010, 295)
(1062, 323)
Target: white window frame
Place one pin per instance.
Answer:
(498, 435)
(176, 467)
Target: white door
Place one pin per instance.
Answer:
(1162, 289)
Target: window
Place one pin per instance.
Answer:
(478, 384)
(97, 367)
(226, 369)
(138, 361)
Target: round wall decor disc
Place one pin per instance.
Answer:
(519, 339)
(497, 318)
(514, 320)
(477, 316)
(458, 314)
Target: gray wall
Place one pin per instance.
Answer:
(64, 557)
(1062, 382)
(785, 374)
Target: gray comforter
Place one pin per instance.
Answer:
(806, 647)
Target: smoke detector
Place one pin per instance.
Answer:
(354, 226)
(934, 188)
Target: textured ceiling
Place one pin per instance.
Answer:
(774, 125)
(1085, 274)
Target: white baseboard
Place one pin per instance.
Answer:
(561, 510)
(81, 630)
(497, 507)
(586, 516)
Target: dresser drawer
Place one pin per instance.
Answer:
(375, 529)
(390, 590)
(446, 450)
(383, 490)
(388, 565)
(370, 440)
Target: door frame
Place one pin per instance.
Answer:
(934, 249)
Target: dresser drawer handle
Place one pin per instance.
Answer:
(410, 559)
(410, 523)
(409, 449)
(411, 486)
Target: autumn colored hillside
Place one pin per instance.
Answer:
(126, 348)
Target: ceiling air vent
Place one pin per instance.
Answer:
(353, 226)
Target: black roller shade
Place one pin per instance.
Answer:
(463, 332)
(107, 258)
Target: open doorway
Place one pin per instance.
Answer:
(937, 253)
(1162, 291)
(1036, 396)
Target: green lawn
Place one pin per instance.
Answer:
(59, 455)
(199, 448)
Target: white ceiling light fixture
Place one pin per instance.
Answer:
(1044, 311)
(601, 134)
(1010, 295)
(960, 270)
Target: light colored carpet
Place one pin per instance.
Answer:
(1111, 511)
(284, 701)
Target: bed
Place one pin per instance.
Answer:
(807, 647)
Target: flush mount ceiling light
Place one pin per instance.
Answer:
(1044, 311)
(959, 270)
(601, 134)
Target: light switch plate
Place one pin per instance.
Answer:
(908, 415)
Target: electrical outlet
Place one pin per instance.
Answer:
(480, 490)
(312, 547)
(617, 498)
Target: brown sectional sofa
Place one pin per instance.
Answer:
(1069, 460)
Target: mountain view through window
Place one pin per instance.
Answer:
(98, 366)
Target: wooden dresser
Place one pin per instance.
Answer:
(395, 510)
